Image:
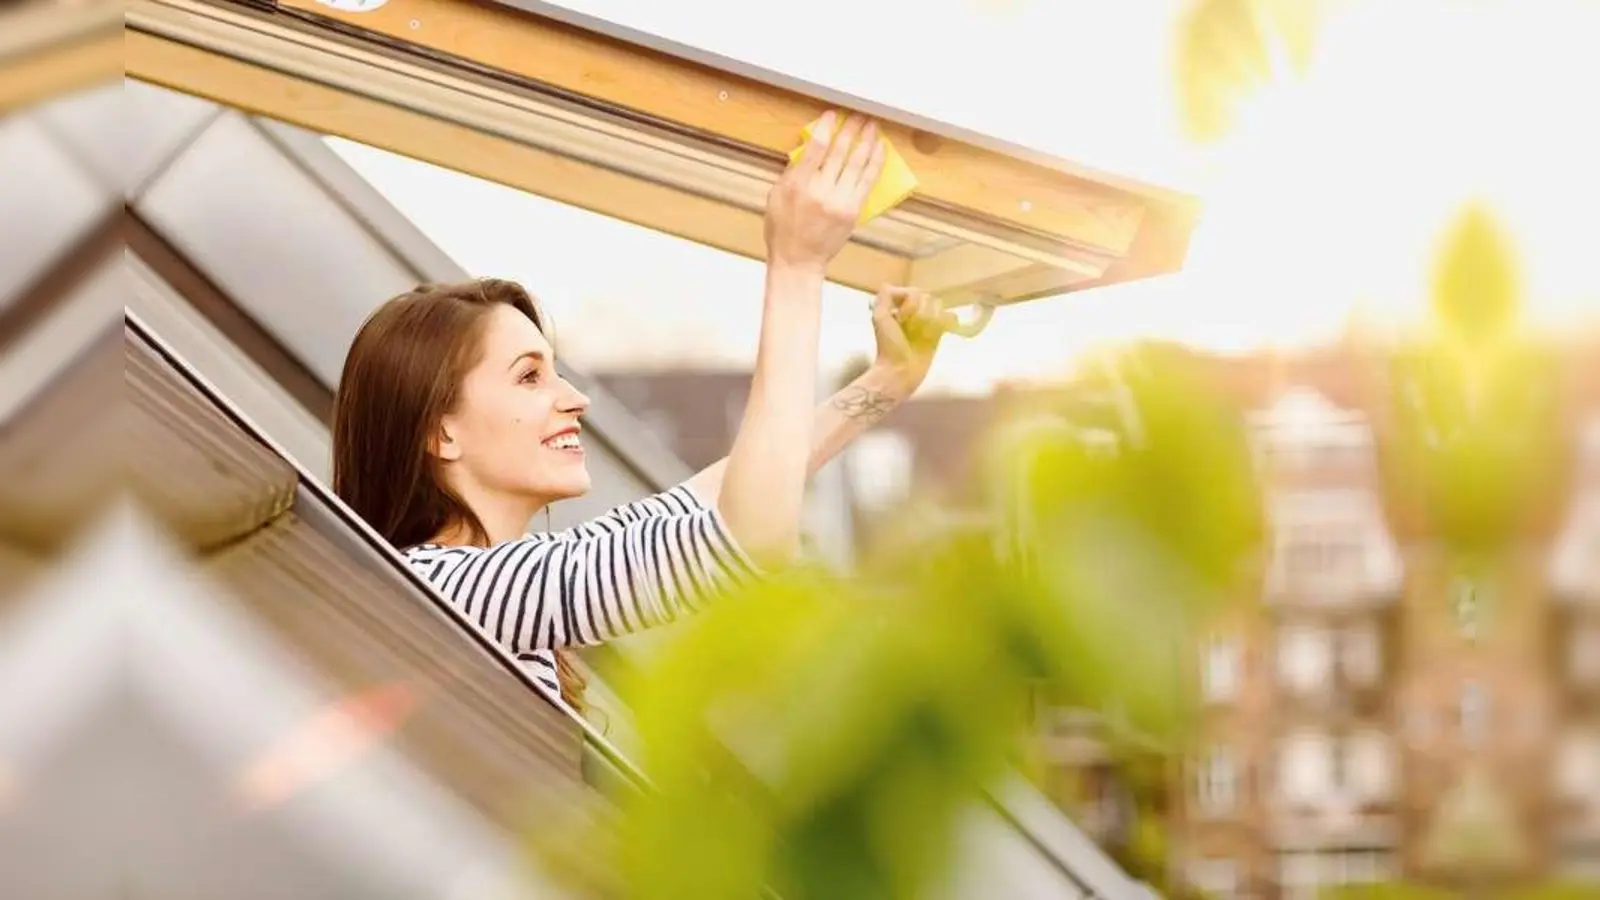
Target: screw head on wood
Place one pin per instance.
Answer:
(925, 142)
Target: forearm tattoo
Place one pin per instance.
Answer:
(863, 403)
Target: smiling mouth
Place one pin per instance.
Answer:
(567, 442)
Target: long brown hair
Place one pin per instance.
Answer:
(402, 376)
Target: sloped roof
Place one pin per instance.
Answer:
(54, 437)
(312, 574)
(132, 686)
(215, 660)
(49, 48)
(303, 247)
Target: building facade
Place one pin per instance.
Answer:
(1386, 711)
(1295, 780)
(1375, 710)
(1574, 665)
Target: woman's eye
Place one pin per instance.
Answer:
(530, 377)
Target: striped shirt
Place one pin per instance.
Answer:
(640, 565)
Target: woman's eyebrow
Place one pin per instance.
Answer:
(535, 355)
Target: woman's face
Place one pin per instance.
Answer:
(515, 428)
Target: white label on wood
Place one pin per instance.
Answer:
(353, 5)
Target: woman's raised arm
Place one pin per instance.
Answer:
(811, 214)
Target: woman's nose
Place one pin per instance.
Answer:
(574, 400)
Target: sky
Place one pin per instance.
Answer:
(1325, 204)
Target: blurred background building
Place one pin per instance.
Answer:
(1370, 707)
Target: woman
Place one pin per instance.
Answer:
(452, 429)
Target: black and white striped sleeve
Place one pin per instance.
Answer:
(587, 586)
(678, 501)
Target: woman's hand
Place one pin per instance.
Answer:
(813, 208)
(811, 212)
(908, 324)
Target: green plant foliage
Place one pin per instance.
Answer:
(1476, 294)
(1556, 890)
(1155, 401)
(1224, 50)
(1389, 890)
(821, 735)
(1478, 434)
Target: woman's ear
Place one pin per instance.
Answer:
(444, 446)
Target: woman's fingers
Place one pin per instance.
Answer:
(859, 173)
(928, 319)
(926, 323)
(816, 152)
(875, 161)
(921, 315)
(885, 305)
(839, 153)
(841, 161)
(896, 298)
(910, 305)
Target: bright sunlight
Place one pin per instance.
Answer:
(1327, 200)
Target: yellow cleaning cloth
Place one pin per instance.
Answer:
(895, 183)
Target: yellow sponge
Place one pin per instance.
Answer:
(895, 183)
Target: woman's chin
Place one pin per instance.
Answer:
(577, 486)
(559, 483)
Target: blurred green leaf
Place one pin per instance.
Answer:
(1389, 890)
(1476, 282)
(1225, 50)
(1556, 890)
(822, 735)
(1477, 442)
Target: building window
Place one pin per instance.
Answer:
(1577, 769)
(1321, 562)
(1474, 711)
(1303, 430)
(1369, 767)
(1219, 674)
(1330, 545)
(1305, 656)
(1361, 654)
(1305, 770)
(1217, 789)
(1215, 877)
(1362, 866)
(1305, 875)
(880, 469)
(1584, 654)
(1575, 569)
(1319, 557)
(1299, 875)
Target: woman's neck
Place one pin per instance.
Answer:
(504, 518)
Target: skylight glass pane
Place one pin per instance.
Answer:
(625, 298)
(622, 297)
